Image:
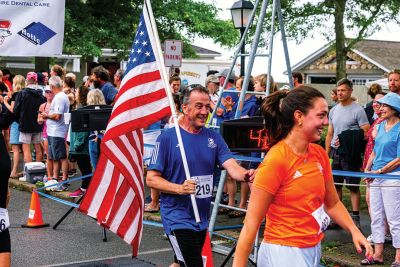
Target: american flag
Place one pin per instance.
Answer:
(115, 196)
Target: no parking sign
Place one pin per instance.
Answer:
(173, 53)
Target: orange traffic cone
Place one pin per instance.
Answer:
(35, 219)
(207, 253)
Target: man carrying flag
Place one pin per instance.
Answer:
(204, 148)
(116, 192)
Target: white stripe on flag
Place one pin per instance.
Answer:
(120, 180)
(101, 191)
(122, 210)
(137, 113)
(121, 157)
(132, 230)
(139, 90)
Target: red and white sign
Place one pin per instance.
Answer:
(173, 53)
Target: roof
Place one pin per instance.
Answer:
(383, 54)
(203, 51)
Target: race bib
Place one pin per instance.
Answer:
(4, 220)
(204, 186)
(322, 218)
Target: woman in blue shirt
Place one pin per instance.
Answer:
(385, 159)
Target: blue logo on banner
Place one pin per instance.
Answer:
(37, 33)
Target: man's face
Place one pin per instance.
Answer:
(175, 85)
(343, 93)
(221, 80)
(46, 77)
(117, 78)
(394, 83)
(197, 109)
(212, 87)
(96, 81)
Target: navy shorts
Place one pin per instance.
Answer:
(5, 241)
(189, 244)
(339, 163)
(57, 149)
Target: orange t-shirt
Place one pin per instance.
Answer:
(298, 185)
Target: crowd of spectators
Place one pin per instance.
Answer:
(39, 107)
(358, 139)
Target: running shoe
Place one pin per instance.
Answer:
(77, 193)
(60, 188)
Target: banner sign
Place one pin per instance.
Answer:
(31, 27)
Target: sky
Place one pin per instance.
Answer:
(297, 52)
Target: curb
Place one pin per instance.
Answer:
(26, 186)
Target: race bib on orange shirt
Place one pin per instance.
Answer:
(322, 218)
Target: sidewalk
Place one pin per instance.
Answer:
(337, 246)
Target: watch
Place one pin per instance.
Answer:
(380, 171)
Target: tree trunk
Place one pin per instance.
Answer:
(341, 49)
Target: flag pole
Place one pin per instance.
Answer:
(171, 104)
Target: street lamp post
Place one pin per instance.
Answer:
(241, 11)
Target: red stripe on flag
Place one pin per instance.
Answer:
(94, 183)
(138, 80)
(120, 196)
(129, 217)
(109, 196)
(132, 125)
(129, 177)
(138, 102)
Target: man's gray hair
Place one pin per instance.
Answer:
(346, 82)
(188, 93)
(55, 81)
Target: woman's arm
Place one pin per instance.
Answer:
(370, 161)
(394, 164)
(9, 106)
(336, 210)
(259, 203)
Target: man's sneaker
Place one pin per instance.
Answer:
(370, 239)
(77, 193)
(49, 183)
(60, 188)
(388, 239)
(356, 220)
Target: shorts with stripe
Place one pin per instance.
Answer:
(187, 245)
(273, 255)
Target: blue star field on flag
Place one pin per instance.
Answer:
(141, 51)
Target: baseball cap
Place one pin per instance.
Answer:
(392, 100)
(225, 72)
(31, 76)
(212, 79)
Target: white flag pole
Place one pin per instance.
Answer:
(165, 79)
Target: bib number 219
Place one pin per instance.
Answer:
(204, 185)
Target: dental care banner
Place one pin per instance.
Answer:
(31, 27)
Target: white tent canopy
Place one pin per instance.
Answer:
(382, 82)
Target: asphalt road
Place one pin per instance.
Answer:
(78, 239)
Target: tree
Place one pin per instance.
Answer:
(94, 24)
(332, 18)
